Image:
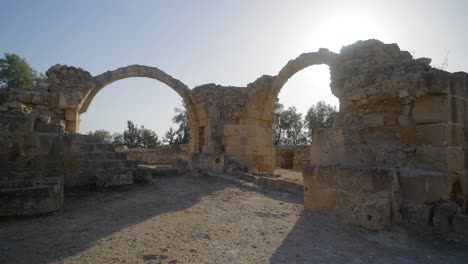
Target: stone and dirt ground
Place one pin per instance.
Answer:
(290, 174)
(189, 219)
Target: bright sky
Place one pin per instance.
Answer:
(224, 42)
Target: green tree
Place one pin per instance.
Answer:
(103, 135)
(289, 126)
(135, 137)
(277, 127)
(292, 125)
(170, 136)
(16, 72)
(183, 132)
(131, 136)
(117, 139)
(319, 115)
(148, 138)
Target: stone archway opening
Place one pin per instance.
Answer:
(193, 111)
(304, 104)
(150, 106)
(140, 100)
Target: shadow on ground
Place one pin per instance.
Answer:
(90, 216)
(324, 239)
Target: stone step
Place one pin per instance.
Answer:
(113, 179)
(30, 197)
(145, 174)
(92, 147)
(460, 224)
(100, 155)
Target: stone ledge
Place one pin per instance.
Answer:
(275, 183)
(30, 197)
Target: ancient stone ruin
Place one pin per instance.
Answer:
(395, 152)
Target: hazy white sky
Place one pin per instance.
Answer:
(223, 42)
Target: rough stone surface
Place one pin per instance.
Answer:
(171, 155)
(292, 156)
(460, 223)
(30, 197)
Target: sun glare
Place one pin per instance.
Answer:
(346, 29)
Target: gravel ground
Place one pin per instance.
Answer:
(190, 219)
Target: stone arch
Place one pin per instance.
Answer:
(260, 108)
(263, 98)
(195, 113)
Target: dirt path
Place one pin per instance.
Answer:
(203, 220)
(290, 174)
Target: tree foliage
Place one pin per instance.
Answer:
(319, 115)
(288, 130)
(148, 138)
(16, 72)
(135, 137)
(117, 139)
(182, 134)
(103, 135)
(170, 136)
(131, 136)
(291, 128)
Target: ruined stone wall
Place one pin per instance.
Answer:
(400, 122)
(59, 98)
(173, 155)
(292, 156)
(37, 160)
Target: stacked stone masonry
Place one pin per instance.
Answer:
(292, 156)
(398, 116)
(166, 155)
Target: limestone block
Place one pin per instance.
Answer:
(72, 126)
(431, 157)
(407, 129)
(376, 212)
(416, 213)
(419, 187)
(403, 93)
(30, 197)
(432, 134)
(456, 135)
(113, 179)
(38, 99)
(460, 223)
(327, 146)
(142, 175)
(458, 110)
(374, 120)
(455, 159)
(25, 98)
(443, 216)
(71, 115)
(103, 147)
(431, 109)
(361, 196)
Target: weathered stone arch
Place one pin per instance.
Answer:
(109, 77)
(194, 112)
(323, 56)
(265, 91)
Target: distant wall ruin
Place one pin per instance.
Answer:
(176, 155)
(292, 156)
